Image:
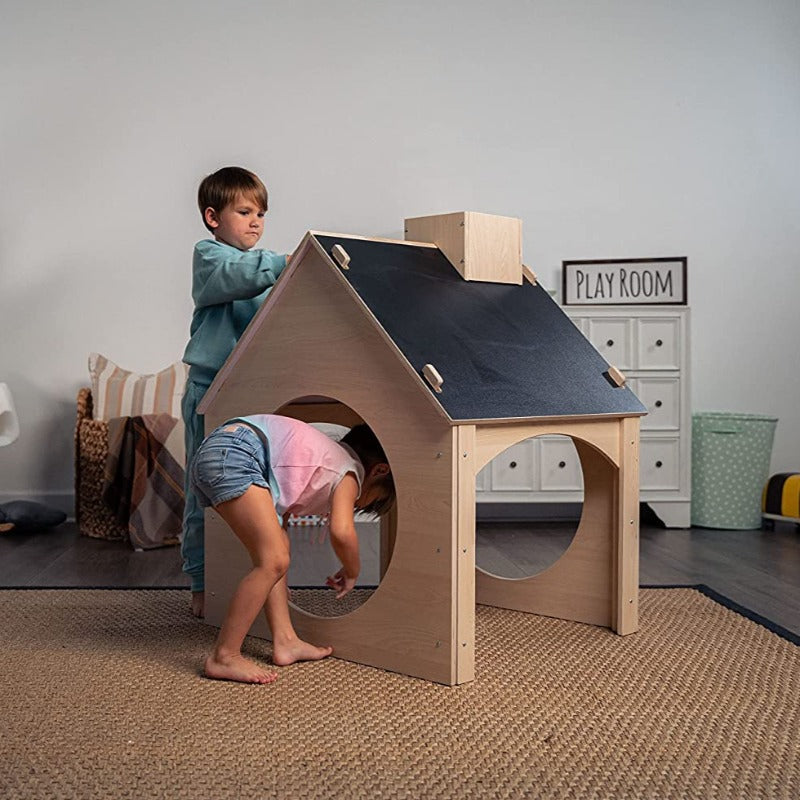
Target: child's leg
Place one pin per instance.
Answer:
(253, 519)
(192, 538)
(286, 646)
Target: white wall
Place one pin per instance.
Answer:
(615, 129)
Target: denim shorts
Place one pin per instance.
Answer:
(230, 460)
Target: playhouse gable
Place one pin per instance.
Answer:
(313, 338)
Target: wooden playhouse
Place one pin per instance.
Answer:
(449, 349)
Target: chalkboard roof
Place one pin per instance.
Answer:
(503, 351)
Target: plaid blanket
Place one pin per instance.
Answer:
(143, 482)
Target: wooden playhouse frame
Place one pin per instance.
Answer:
(421, 619)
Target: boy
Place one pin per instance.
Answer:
(229, 282)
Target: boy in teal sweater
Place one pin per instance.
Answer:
(229, 282)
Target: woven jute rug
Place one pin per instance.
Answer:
(101, 697)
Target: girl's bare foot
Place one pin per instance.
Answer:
(237, 668)
(294, 650)
(199, 604)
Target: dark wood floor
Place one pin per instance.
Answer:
(759, 569)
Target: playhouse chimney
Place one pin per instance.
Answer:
(482, 247)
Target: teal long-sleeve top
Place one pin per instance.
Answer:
(228, 286)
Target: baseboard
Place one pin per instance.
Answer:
(61, 501)
(524, 512)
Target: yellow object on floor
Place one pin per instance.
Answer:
(781, 497)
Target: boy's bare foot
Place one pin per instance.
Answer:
(199, 604)
(237, 668)
(289, 652)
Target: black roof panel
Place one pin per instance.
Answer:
(503, 351)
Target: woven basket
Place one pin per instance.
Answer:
(93, 517)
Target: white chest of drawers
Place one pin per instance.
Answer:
(650, 344)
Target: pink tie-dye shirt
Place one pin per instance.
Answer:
(305, 464)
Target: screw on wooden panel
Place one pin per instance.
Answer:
(439, 455)
(438, 549)
(433, 377)
(438, 644)
(340, 254)
(463, 644)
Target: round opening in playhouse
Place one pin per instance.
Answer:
(516, 537)
(313, 558)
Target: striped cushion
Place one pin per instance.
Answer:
(116, 392)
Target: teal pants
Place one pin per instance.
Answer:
(193, 538)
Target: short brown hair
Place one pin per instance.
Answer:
(221, 188)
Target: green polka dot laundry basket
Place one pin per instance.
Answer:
(730, 463)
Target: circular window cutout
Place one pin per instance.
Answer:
(529, 505)
(313, 559)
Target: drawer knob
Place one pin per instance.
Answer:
(610, 343)
(513, 465)
(658, 404)
(659, 464)
(562, 464)
(659, 342)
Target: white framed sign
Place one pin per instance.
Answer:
(624, 281)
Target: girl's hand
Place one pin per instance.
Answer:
(341, 582)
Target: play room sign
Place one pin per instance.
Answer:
(628, 281)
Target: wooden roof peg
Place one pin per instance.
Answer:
(616, 377)
(341, 256)
(433, 377)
